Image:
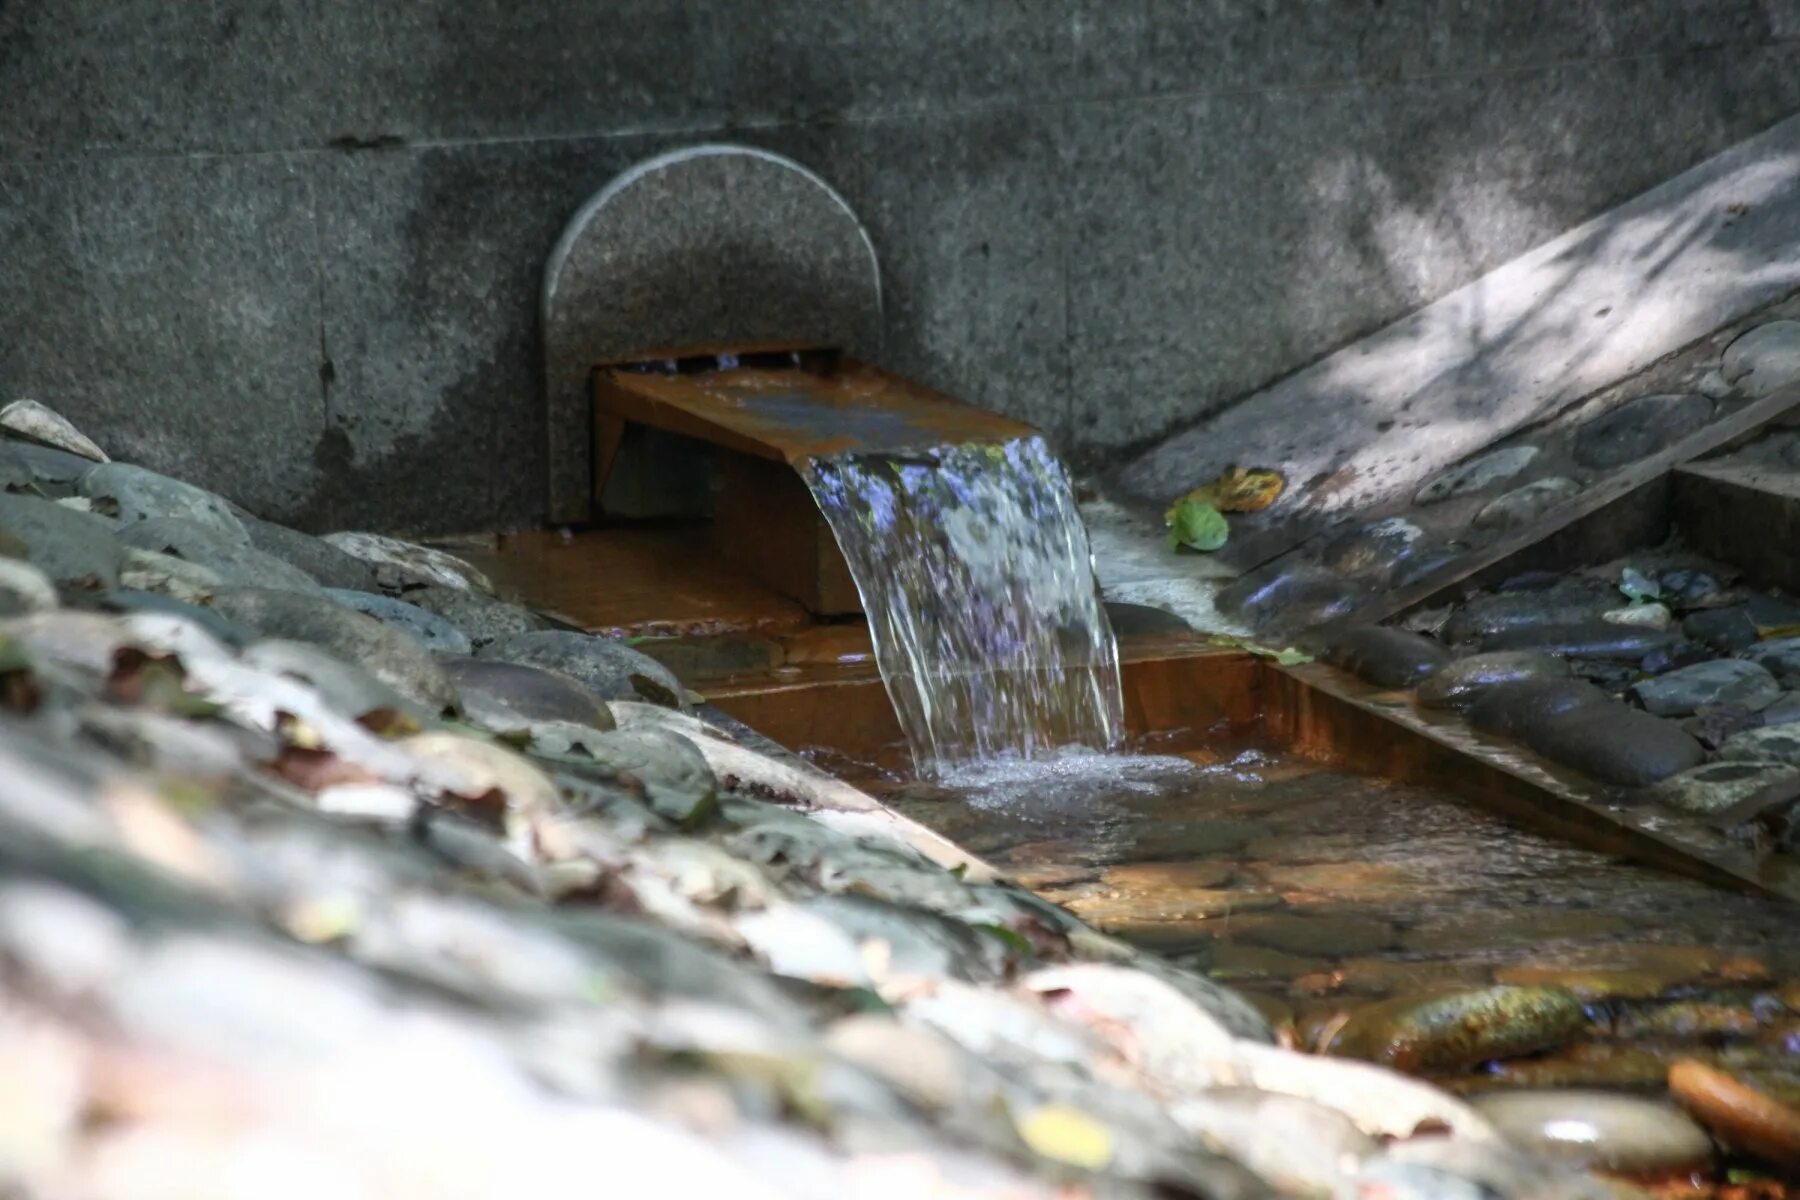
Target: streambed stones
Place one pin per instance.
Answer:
(1565, 603)
(608, 668)
(1717, 786)
(1639, 428)
(1780, 657)
(1460, 683)
(432, 631)
(1604, 1130)
(73, 548)
(1521, 707)
(134, 494)
(1447, 1033)
(1771, 743)
(1596, 638)
(1385, 657)
(511, 697)
(1577, 725)
(1479, 474)
(1523, 505)
(1707, 684)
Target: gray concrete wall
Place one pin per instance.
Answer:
(291, 248)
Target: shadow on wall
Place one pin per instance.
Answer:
(1369, 423)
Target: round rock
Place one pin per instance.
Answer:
(1727, 630)
(610, 669)
(1517, 708)
(137, 494)
(1616, 744)
(1717, 786)
(1458, 684)
(399, 564)
(1601, 1130)
(1290, 595)
(1391, 658)
(1448, 1033)
(232, 559)
(1723, 681)
(1771, 743)
(1526, 504)
(387, 654)
(1596, 639)
(1639, 428)
(480, 616)
(431, 630)
(71, 547)
(1765, 359)
(1566, 603)
(1780, 657)
(1479, 474)
(320, 559)
(27, 463)
(510, 697)
(346, 689)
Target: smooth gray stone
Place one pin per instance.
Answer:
(1391, 658)
(1525, 504)
(139, 494)
(1639, 428)
(1780, 657)
(131, 600)
(703, 246)
(1717, 786)
(1563, 604)
(235, 561)
(1725, 629)
(1765, 359)
(1379, 545)
(1615, 744)
(1594, 639)
(1723, 681)
(45, 466)
(384, 652)
(669, 768)
(1772, 743)
(610, 669)
(1522, 706)
(1783, 711)
(1478, 474)
(1601, 1130)
(1459, 683)
(506, 697)
(429, 629)
(481, 617)
(923, 943)
(1290, 595)
(347, 689)
(317, 557)
(73, 548)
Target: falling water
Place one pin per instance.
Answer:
(974, 569)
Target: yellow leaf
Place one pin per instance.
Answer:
(1067, 1135)
(1239, 489)
(1769, 633)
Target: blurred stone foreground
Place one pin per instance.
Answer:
(328, 873)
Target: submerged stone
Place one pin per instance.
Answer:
(1290, 595)
(1519, 707)
(1565, 603)
(1385, 657)
(1377, 546)
(1333, 937)
(1479, 474)
(1772, 743)
(1724, 681)
(389, 655)
(1780, 657)
(429, 629)
(1602, 1130)
(1448, 1033)
(1741, 1115)
(1458, 684)
(1523, 505)
(1639, 428)
(1616, 744)
(1717, 786)
(509, 697)
(1724, 629)
(1596, 638)
(608, 668)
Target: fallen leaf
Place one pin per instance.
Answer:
(1067, 1135)
(1239, 490)
(316, 770)
(1769, 633)
(1197, 525)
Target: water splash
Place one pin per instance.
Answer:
(975, 572)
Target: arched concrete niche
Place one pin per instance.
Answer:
(704, 245)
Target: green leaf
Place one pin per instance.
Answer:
(1638, 587)
(1198, 526)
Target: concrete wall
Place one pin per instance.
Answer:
(291, 248)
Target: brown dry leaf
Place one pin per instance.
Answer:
(1239, 490)
(315, 770)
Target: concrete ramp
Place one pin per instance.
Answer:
(1367, 425)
